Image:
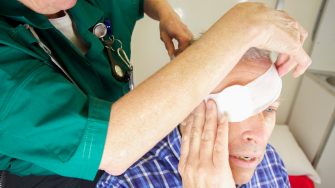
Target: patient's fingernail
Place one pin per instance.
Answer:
(223, 117)
(209, 105)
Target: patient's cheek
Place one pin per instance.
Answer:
(269, 115)
(269, 122)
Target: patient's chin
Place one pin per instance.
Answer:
(242, 176)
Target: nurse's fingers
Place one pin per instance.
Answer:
(296, 57)
(303, 32)
(304, 61)
(286, 66)
(294, 25)
(281, 59)
(221, 150)
(168, 43)
(184, 40)
(299, 61)
(209, 133)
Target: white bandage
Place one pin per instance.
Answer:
(242, 102)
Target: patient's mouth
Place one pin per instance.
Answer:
(245, 158)
(244, 161)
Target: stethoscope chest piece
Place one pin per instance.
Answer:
(100, 30)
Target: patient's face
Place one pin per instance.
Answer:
(247, 143)
(248, 139)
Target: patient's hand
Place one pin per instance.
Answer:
(204, 160)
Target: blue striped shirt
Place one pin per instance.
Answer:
(159, 168)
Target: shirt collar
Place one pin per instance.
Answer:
(174, 140)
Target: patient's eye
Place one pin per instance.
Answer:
(271, 109)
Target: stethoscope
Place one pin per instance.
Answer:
(104, 32)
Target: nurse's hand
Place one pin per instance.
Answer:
(171, 27)
(286, 36)
(271, 30)
(204, 160)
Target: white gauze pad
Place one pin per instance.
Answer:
(242, 102)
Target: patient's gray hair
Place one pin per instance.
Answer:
(253, 54)
(256, 55)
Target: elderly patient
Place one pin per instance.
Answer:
(253, 162)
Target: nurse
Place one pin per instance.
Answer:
(65, 105)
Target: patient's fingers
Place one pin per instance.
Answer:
(221, 150)
(196, 132)
(208, 165)
(191, 137)
(185, 129)
(209, 132)
(184, 124)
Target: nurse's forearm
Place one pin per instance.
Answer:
(144, 116)
(156, 9)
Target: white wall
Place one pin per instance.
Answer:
(305, 12)
(324, 48)
(326, 166)
(149, 54)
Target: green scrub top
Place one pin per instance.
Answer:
(49, 125)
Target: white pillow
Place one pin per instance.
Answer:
(294, 158)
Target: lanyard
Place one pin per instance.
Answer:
(48, 51)
(103, 32)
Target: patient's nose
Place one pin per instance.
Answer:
(254, 130)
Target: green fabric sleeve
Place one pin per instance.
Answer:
(47, 124)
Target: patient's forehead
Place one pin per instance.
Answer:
(244, 72)
(248, 70)
(276, 103)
